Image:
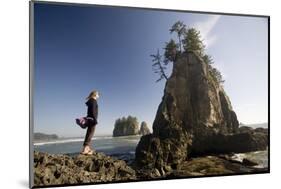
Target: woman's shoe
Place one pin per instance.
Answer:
(89, 152)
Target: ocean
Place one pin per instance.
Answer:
(122, 148)
(119, 147)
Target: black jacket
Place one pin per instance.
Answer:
(92, 109)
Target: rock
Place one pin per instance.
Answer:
(211, 165)
(261, 130)
(126, 126)
(245, 129)
(248, 162)
(230, 143)
(194, 117)
(144, 130)
(62, 169)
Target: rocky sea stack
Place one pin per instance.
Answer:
(144, 130)
(126, 126)
(195, 117)
(129, 126)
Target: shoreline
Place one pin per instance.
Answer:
(52, 169)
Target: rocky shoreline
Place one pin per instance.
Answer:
(50, 169)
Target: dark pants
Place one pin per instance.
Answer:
(89, 134)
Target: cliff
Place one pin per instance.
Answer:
(195, 117)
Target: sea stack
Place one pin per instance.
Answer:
(126, 126)
(144, 130)
(194, 117)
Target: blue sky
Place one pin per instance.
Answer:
(78, 49)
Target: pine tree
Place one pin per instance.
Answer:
(180, 28)
(217, 74)
(192, 41)
(171, 51)
(158, 67)
(208, 59)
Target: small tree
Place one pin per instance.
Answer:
(180, 28)
(216, 73)
(208, 59)
(192, 41)
(158, 67)
(171, 50)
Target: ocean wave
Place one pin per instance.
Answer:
(239, 157)
(260, 157)
(70, 140)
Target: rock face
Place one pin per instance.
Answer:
(144, 130)
(62, 169)
(194, 117)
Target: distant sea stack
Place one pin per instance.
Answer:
(126, 126)
(144, 130)
(43, 136)
(195, 117)
(129, 126)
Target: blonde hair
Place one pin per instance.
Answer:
(92, 94)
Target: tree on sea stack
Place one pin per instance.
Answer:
(158, 66)
(215, 73)
(171, 51)
(208, 59)
(192, 41)
(180, 28)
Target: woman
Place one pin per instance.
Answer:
(93, 113)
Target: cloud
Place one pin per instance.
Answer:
(206, 28)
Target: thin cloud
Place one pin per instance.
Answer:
(206, 28)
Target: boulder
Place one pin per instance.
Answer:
(248, 162)
(261, 130)
(245, 129)
(230, 143)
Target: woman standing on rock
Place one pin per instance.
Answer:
(92, 112)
